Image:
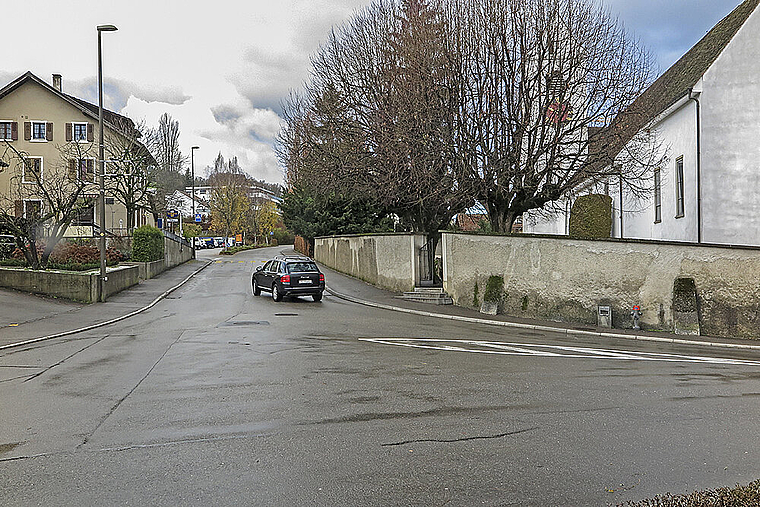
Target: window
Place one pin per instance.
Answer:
(303, 267)
(8, 131)
(32, 208)
(85, 214)
(82, 169)
(679, 187)
(39, 131)
(657, 197)
(79, 132)
(32, 170)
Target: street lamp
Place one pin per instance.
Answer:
(192, 170)
(102, 169)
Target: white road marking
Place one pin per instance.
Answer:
(543, 350)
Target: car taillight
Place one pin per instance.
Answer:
(285, 279)
(321, 277)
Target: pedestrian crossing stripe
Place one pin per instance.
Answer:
(553, 351)
(220, 261)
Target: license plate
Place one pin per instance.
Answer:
(305, 282)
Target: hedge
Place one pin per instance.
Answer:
(147, 244)
(591, 216)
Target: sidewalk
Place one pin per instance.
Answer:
(356, 290)
(26, 316)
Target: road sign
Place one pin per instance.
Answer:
(172, 214)
(198, 217)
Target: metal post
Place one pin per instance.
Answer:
(192, 175)
(101, 169)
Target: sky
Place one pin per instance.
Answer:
(222, 68)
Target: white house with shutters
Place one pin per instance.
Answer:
(705, 110)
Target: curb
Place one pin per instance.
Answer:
(560, 330)
(112, 321)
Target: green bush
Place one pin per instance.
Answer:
(283, 237)
(494, 289)
(147, 244)
(591, 217)
(476, 296)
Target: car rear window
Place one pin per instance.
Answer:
(303, 267)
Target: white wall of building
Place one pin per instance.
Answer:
(730, 107)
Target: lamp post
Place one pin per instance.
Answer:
(192, 175)
(102, 168)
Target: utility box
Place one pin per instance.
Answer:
(604, 316)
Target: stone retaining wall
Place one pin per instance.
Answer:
(68, 284)
(565, 279)
(385, 260)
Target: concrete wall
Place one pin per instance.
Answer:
(176, 251)
(385, 260)
(148, 269)
(69, 285)
(565, 280)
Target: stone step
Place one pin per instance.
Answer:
(436, 297)
(429, 290)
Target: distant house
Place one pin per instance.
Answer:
(183, 202)
(705, 110)
(56, 133)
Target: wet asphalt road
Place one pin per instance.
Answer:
(216, 397)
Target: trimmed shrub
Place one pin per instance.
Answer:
(591, 217)
(147, 244)
(494, 289)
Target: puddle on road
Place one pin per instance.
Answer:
(286, 315)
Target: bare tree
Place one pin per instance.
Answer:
(430, 106)
(43, 202)
(163, 144)
(378, 118)
(229, 203)
(132, 169)
(544, 81)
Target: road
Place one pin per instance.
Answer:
(215, 396)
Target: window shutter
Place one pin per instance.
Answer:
(27, 131)
(69, 135)
(14, 131)
(49, 131)
(19, 208)
(90, 169)
(90, 133)
(72, 169)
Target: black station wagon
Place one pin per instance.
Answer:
(289, 276)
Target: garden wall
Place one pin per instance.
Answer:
(69, 284)
(563, 279)
(385, 260)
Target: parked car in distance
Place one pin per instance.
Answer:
(289, 276)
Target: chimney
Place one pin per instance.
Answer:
(57, 82)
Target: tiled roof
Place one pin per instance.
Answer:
(676, 82)
(113, 120)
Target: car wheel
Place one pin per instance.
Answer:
(317, 297)
(256, 288)
(276, 292)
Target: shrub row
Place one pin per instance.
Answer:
(69, 256)
(147, 244)
(235, 249)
